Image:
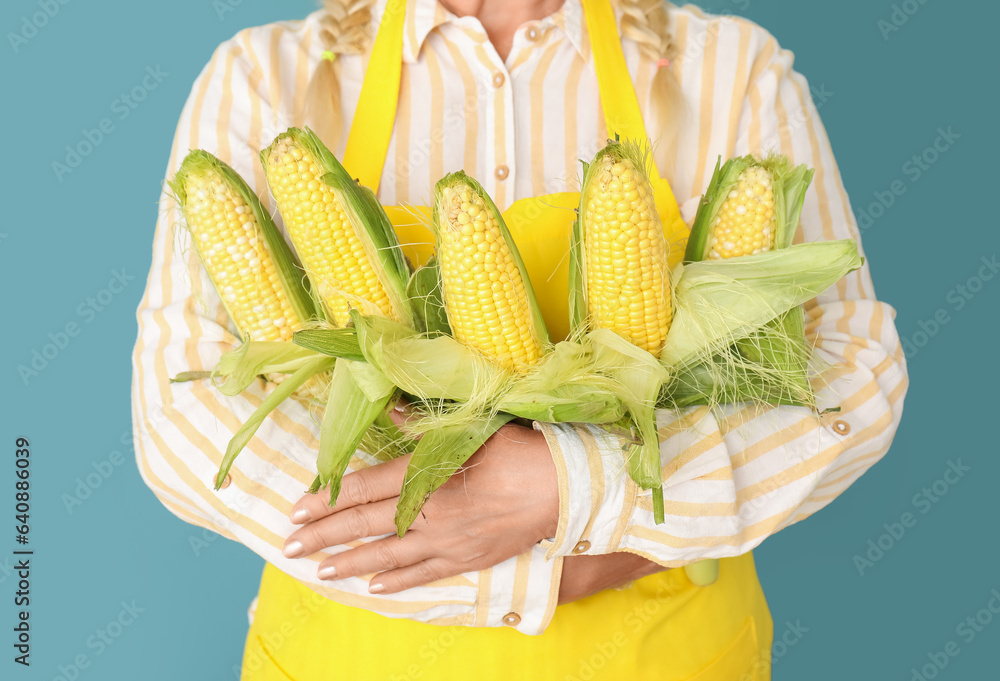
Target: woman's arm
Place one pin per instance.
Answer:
(248, 93)
(733, 480)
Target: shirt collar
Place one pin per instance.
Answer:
(569, 18)
(423, 16)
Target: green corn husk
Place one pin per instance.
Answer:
(282, 392)
(721, 302)
(781, 345)
(350, 412)
(331, 342)
(243, 365)
(459, 384)
(438, 368)
(704, 572)
(640, 376)
(383, 441)
(424, 291)
(437, 456)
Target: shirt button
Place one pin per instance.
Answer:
(498, 79)
(502, 172)
(226, 482)
(533, 33)
(511, 619)
(581, 547)
(841, 427)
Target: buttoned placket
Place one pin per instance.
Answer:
(496, 86)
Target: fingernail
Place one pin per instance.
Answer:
(293, 549)
(400, 407)
(376, 588)
(328, 572)
(301, 516)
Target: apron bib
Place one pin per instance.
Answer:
(662, 627)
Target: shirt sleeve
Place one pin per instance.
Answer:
(735, 475)
(244, 97)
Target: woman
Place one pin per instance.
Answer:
(515, 93)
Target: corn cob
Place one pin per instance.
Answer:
(260, 284)
(242, 250)
(487, 295)
(491, 310)
(352, 257)
(620, 284)
(335, 244)
(752, 206)
(625, 274)
(745, 222)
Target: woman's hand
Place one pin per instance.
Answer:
(501, 503)
(586, 575)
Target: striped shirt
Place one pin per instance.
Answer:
(733, 476)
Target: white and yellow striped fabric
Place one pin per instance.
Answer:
(520, 127)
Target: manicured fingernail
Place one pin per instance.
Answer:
(328, 572)
(301, 516)
(376, 588)
(293, 549)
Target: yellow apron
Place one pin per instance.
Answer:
(662, 627)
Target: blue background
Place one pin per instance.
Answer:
(62, 239)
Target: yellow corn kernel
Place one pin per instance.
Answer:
(331, 252)
(745, 222)
(232, 247)
(485, 298)
(626, 274)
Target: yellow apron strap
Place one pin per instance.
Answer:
(621, 107)
(623, 115)
(368, 141)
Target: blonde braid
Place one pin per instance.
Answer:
(345, 28)
(647, 23)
